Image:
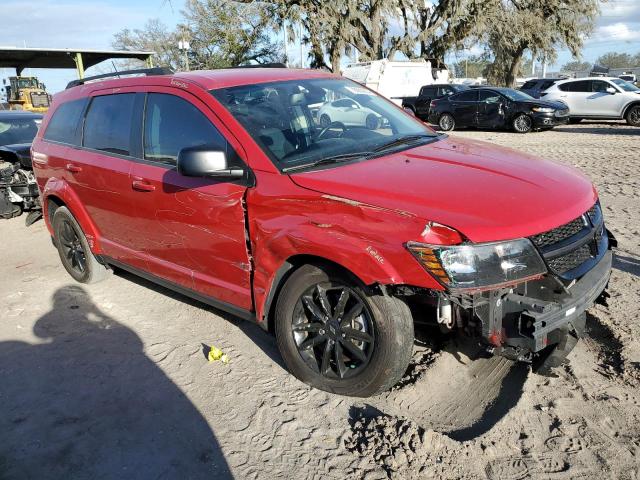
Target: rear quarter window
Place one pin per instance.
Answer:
(580, 86)
(108, 124)
(65, 122)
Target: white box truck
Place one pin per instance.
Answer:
(396, 80)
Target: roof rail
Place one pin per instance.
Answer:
(263, 65)
(140, 71)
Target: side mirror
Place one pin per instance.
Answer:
(206, 161)
(611, 90)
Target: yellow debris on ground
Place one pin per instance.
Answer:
(216, 354)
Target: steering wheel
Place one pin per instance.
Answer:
(332, 125)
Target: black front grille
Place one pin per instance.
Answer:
(585, 232)
(559, 234)
(571, 260)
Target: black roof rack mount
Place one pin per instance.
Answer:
(141, 71)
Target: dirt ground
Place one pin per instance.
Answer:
(110, 380)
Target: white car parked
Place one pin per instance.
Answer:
(348, 112)
(597, 98)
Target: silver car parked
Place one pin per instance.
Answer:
(604, 98)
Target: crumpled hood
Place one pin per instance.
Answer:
(17, 152)
(484, 191)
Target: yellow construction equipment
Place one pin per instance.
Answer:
(27, 93)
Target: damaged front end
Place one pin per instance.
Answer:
(539, 318)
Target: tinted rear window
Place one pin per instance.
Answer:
(470, 96)
(107, 126)
(581, 86)
(63, 126)
(427, 91)
(530, 84)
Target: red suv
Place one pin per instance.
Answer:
(224, 186)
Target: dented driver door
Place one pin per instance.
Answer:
(191, 230)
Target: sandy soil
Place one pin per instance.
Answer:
(110, 381)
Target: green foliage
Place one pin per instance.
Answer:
(221, 34)
(617, 60)
(472, 67)
(576, 66)
(536, 26)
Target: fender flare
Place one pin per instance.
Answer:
(59, 191)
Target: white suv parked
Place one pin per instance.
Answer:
(598, 98)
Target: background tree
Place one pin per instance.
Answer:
(537, 26)
(576, 66)
(154, 37)
(471, 67)
(615, 60)
(221, 34)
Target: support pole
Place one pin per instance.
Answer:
(79, 65)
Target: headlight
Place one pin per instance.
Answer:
(480, 266)
(543, 109)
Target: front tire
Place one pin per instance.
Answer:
(336, 337)
(446, 122)
(633, 116)
(74, 250)
(372, 122)
(325, 121)
(522, 123)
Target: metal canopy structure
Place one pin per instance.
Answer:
(21, 58)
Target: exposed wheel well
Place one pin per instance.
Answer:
(53, 203)
(284, 272)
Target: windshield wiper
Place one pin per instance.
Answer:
(344, 157)
(408, 139)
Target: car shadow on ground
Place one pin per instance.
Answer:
(87, 402)
(264, 340)
(600, 129)
(626, 264)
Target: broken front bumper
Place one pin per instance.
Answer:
(521, 323)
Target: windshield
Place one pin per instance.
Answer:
(626, 86)
(302, 122)
(21, 130)
(515, 95)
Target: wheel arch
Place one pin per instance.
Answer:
(633, 103)
(58, 193)
(287, 268)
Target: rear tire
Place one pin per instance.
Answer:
(446, 122)
(318, 340)
(409, 111)
(633, 116)
(74, 250)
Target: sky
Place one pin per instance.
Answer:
(91, 24)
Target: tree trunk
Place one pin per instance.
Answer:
(514, 68)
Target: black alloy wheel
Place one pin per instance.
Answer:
(633, 116)
(333, 331)
(72, 250)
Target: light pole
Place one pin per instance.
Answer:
(184, 46)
